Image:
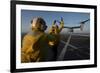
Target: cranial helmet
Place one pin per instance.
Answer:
(39, 24)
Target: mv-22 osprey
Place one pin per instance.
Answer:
(70, 30)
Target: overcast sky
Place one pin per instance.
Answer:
(70, 19)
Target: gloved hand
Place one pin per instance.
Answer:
(54, 21)
(62, 21)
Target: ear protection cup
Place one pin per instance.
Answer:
(43, 27)
(42, 23)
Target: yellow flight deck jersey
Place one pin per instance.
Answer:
(36, 47)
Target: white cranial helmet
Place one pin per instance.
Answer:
(38, 23)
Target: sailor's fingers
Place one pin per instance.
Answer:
(61, 18)
(54, 21)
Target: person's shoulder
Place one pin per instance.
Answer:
(28, 36)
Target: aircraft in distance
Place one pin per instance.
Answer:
(71, 29)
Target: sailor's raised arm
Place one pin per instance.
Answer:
(61, 25)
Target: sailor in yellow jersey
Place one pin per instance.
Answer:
(55, 31)
(37, 45)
